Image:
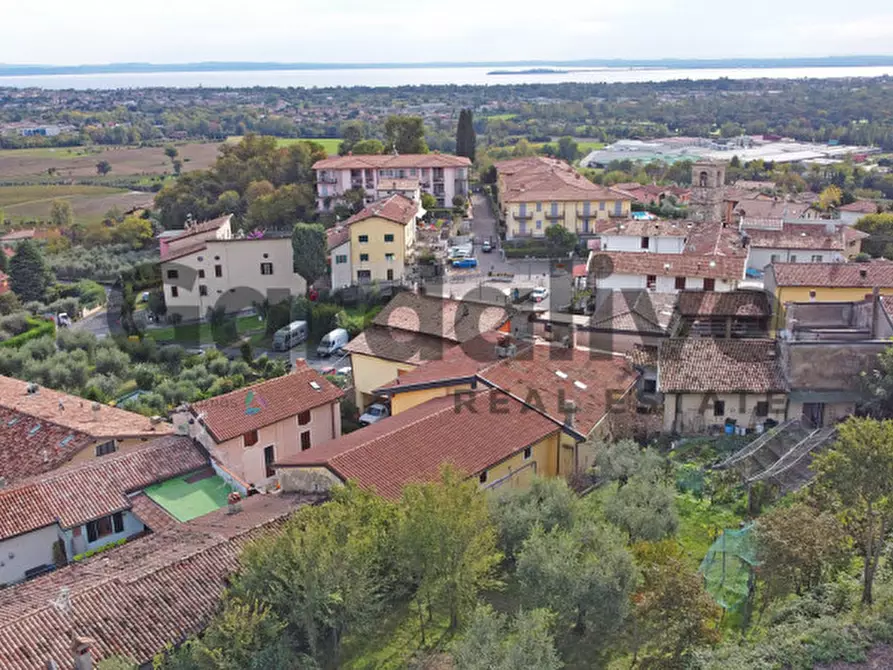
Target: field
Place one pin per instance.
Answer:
(90, 203)
(18, 164)
(330, 143)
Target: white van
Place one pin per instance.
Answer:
(332, 342)
(290, 336)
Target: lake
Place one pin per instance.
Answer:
(416, 76)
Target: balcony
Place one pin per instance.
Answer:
(356, 183)
(327, 179)
(554, 216)
(522, 216)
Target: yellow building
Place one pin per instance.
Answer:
(825, 282)
(42, 429)
(381, 241)
(412, 330)
(538, 192)
(488, 435)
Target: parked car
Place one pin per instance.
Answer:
(465, 263)
(374, 414)
(539, 294)
(290, 336)
(332, 342)
(486, 247)
(63, 320)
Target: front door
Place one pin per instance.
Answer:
(364, 276)
(814, 414)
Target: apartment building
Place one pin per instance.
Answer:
(207, 267)
(538, 192)
(441, 175)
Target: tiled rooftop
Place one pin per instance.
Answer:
(549, 180)
(384, 161)
(452, 320)
(265, 403)
(733, 303)
(706, 365)
(396, 208)
(839, 275)
(606, 263)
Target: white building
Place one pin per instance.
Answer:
(207, 268)
(441, 175)
(776, 241)
(655, 236)
(851, 213)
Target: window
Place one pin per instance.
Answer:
(651, 282)
(304, 418)
(539, 225)
(539, 207)
(793, 258)
(105, 526)
(719, 408)
(812, 295)
(249, 438)
(362, 239)
(601, 206)
(201, 274)
(389, 237)
(341, 260)
(482, 478)
(218, 270)
(202, 289)
(649, 386)
(364, 258)
(106, 448)
(305, 440)
(389, 258)
(680, 283)
(201, 258)
(364, 275)
(269, 457)
(645, 243)
(528, 452)
(709, 284)
(774, 258)
(817, 258)
(390, 276)
(173, 274)
(763, 408)
(175, 292)
(266, 268)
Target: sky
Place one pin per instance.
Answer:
(66, 32)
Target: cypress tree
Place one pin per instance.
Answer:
(465, 136)
(29, 274)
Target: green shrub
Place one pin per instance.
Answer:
(39, 328)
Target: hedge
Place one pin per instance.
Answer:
(39, 328)
(521, 252)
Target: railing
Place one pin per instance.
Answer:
(522, 215)
(757, 444)
(797, 453)
(327, 179)
(554, 216)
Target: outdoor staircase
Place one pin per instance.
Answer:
(782, 455)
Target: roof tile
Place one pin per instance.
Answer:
(839, 275)
(706, 365)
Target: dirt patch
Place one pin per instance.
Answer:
(81, 161)
(90, 203)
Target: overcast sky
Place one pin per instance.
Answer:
(67, 32)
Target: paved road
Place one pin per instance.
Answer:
(98, 324)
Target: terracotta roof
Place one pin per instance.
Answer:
(642, 356)
(712, 239)
(335, 237)
(410, 447)
(74, 495)
(860, 207)
(137, 599)
(732, 303)
(706, 365)
(550, 180)
(431, 160)
(181, 252)
(232, 414)
(461, 361)
(749, 185)
(453, 320)
(203, 227)
(549, 378)
(398, 345)
(606, 263)
(642, 228)
(770, 209)
(153, 515)
(798, 236)
(636, 311)
(396, 208)
(37, 435)
(18, 235)
(838, 275)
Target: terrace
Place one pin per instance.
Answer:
(191, 496)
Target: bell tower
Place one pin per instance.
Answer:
(708, 180)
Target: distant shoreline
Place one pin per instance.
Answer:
(548, 70)
(533, 66)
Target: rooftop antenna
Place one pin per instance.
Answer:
(62, 602)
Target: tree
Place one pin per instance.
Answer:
(548, 503)
(585, 575)
(448, 543)
(177, 164)
(61, 214)
(309, 247)
(878, 386)
(466, 140)
(830, 197)
(405, 134)
(880, 229)
(856, 479)
(352, 133)
(560, 241)
(493, 642)
(9, 303)
(4, 262)
(644, 508)
(523, 149)
(103, 167)
(797, 547)
(134, 231)
(673, 615)
(116, 663)
(368, 147)
(29, 274)
(429, 202)
(625, 458)
(568, 149)
(171, 152)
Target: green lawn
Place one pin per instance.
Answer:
(186, 501)
(330, 143)
(501, 117)
(201, 332)
(60, 153)
(18, 195)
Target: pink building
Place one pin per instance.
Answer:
(441, 175)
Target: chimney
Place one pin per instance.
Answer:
(875, 310)
(570, 408)
(234, 502)
(82, 652)
(61, 405)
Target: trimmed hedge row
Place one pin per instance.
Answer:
(39, 328)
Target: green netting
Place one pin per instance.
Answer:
(728, 566)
